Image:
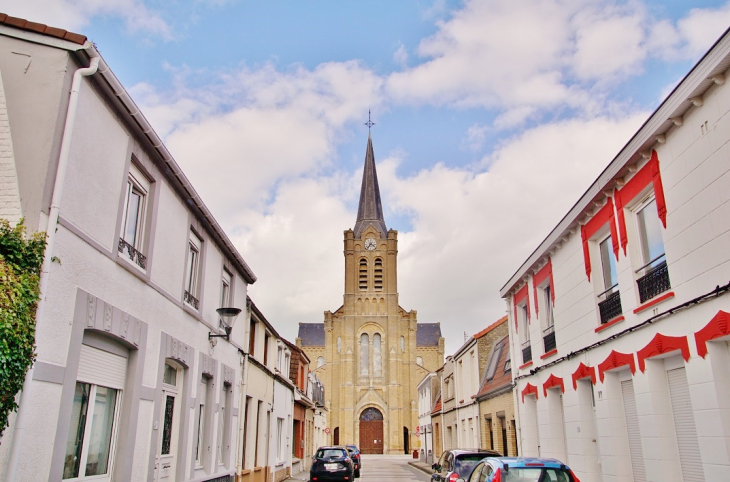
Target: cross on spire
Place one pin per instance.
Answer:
(369, 123)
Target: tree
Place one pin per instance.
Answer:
(21, 258)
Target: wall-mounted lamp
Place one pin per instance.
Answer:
(228, 318)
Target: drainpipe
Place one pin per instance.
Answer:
(63, 156)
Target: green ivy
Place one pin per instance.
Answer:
(21, 258)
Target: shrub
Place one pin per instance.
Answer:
(20, 265)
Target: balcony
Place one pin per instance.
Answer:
(610, 308)
(526, 352)
(190, 299)
(135, 256)
(654, 282)
(548, 338)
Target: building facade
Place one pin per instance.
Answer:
(496, 402)
(137, 376)
(428, 392)
(619, 319)
(371, 352)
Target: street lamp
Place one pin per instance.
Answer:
(228, 318)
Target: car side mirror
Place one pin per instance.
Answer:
(435, 466)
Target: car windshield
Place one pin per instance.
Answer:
(535, 474)
(466, 463)
(329, 453)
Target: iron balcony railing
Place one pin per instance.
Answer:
(526, 352)
(655, 281)
(138, 258)
(190, 299)
(548, 338)
(610, 308)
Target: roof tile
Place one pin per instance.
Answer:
(41, 28)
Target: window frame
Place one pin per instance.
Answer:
(193, 271)
(642, 235)
(138, 256)
(85, 442)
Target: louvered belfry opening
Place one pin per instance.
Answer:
(378, 275)
(363, 274)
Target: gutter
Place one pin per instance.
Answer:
(63, 157)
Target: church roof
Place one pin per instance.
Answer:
(370, 209)
(428, 334)
(312, 334)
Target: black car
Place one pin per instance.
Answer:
(458, 463)
(356, 459)
(332, 463)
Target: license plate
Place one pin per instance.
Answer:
(331, 466)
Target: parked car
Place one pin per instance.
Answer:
(458, 463)
(522, 469)
(356, 459)
(331, 463)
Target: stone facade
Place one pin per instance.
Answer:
(375, 353)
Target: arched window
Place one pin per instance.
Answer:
(320, 362)
(419, 361)
(339, 344)
(378, 275)
(377, 358)
(363, 274)
(402, 343)
(364, 355)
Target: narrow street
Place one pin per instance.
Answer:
(383, 467)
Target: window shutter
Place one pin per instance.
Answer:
(632, 427)
(101, 368)
(684, 426)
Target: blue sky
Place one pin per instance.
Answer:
(492, 117)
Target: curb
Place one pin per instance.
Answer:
(420, 467)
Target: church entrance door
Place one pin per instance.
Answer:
(371, 431)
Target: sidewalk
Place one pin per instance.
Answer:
(423, 466)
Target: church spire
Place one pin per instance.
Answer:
(370, 209)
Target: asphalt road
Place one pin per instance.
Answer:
(383, 468)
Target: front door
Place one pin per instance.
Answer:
(166, 460)
(371, 431)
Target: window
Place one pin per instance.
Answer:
(548, 303)
(377, 357)
(193, 271)
(608, 264)
(508, 363)
(654, 274)
(252, 337)
(378, 275)
(134, 213)
(170, 416)
(89, 447)
(524, 333)
(609, 301)
(267, 337)
(419, 361)
(320, 361)
(364, 355)
(200, 439)
(280, 439)
(226, 283)
(363, 274)
(403, 343)
(493, 360)
(339, 344)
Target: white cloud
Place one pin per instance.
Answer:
(74, 15)
(400, 56)
(692, 35)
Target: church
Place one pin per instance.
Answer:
(370, 353)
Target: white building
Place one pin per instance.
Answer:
(467, 381)
(620, 316)
(428, 392)
(127, 384)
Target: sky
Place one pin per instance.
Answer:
(492, 119)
